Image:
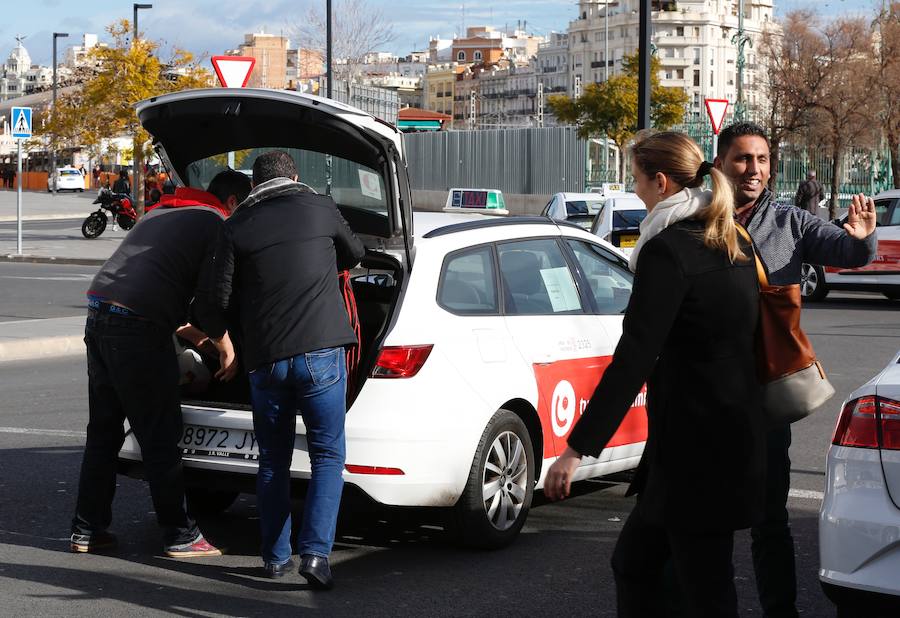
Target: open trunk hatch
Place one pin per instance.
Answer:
(339, 151)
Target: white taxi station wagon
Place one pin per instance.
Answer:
(482, 337)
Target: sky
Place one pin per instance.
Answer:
(210, 27)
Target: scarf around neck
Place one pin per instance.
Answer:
(685, 204)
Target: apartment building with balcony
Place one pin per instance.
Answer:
(691, 38)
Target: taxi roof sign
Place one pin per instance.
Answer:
(233, 71)
(715, 109)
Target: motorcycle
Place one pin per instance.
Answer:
(120, 207)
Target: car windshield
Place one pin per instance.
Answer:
(349, 183)
(582, 207)
(628, 218)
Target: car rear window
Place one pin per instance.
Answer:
(582, 207)
(349, 183)
(628, 218)
(69, 173)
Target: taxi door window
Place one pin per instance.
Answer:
(609, 281)
(537, 279)
(882, 210)
(467, 284)
(895, 214)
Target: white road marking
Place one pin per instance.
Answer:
(59, 278)
(44, 432)
(807, 494)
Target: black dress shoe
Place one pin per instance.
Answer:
(274, 571)
(316, 571)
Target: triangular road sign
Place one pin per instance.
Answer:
(716, 109)
(233, 71)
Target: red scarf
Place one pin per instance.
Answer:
(188, 196)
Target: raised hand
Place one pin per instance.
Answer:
(861, 217)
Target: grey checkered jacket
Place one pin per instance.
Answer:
(787, 236)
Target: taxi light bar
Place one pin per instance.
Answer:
(354, 469)
(869, 422)
(401, 361)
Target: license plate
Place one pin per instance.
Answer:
(217, 442)
(628, 240)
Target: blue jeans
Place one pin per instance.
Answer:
(314, 384)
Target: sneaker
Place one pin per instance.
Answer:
(92, 543)
(196, 549)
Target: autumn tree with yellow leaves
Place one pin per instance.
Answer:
(103, 106)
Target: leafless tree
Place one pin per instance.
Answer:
(886, 54)
(357, 29)
(786, 54)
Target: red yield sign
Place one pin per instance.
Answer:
(233, 71)
(716, 109)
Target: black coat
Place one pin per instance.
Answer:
(280, 256)
(689, 333)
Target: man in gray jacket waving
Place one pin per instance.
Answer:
(785, 237)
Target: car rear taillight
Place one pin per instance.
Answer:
(889, 412)
(401, 361)
(869, 422)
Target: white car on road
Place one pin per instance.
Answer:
(882, 275)
(67, 179)
(619, 221)
(859, 524)
(482, 337)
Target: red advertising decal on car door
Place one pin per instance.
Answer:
(564, 389)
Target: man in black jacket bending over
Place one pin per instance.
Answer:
(284, 245)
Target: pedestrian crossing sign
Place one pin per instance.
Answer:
(21, 122)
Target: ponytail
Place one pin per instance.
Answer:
(721, 230)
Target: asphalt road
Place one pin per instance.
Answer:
(397, 563)
(33, 291)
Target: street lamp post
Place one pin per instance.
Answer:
(644, 66)
(137, 193)
(56, 35)
(328, 50)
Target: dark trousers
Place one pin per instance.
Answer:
(133, 375)
(772, 543)
(701, 564)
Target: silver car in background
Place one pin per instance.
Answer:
(859, 524)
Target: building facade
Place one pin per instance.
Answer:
(271, 53)
(692, 39)
(439, 86)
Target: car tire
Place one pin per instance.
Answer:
(502, 470)
(812, 283)
(203, 502)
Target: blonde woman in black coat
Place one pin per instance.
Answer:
(688, 333)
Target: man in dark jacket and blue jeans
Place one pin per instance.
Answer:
(785, 237)
(285, 245)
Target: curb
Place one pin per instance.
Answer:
(41, 348)
(41, 259)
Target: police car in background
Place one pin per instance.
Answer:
(482, 338)
(882, 275)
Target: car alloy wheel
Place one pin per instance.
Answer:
(505, 478)
(812, 282)
(495, 502)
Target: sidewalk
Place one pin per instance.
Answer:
(54, 244)
(44, 338)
